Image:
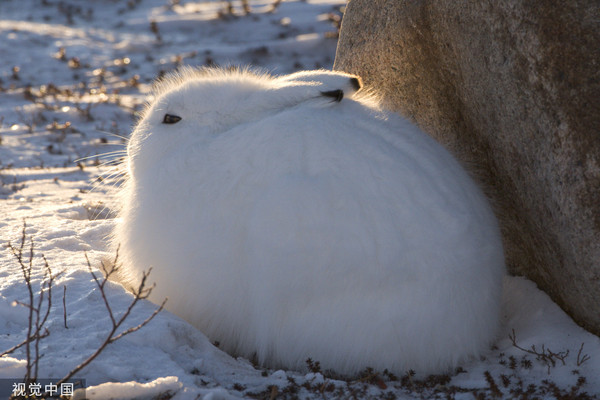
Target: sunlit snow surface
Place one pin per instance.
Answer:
(83, 69)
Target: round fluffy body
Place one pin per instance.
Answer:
(287, 222)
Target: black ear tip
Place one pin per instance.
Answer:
(337, 95)
(355, 83)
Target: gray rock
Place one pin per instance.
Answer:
(513, 89)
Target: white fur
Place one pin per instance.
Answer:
(286, 225)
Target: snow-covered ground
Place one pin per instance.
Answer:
(73, 75)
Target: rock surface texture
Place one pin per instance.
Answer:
(513, 89)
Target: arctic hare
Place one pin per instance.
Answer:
(289, 217)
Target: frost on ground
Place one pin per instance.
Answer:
(73, 75)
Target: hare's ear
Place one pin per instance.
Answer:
(332, 84)
(351, 84)
(308, 85)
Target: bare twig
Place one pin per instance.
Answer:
(24, 342)
(47, 284)
(580, 359)
(26, 270)
(141, 293)
(65, 306)
(546, 355)
(37, 318)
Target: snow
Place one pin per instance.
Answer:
(84, 71)
(134, 390)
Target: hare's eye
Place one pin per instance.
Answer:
(171, 119)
